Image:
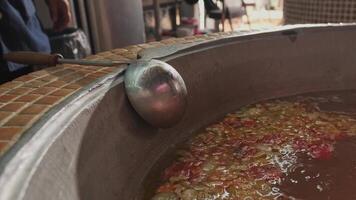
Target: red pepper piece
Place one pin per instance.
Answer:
(249, 123)
(300, 144)
(166, 188)
(322, 152)
(235, 123)
(174, 170)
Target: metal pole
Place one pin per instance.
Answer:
(157, 13)
(223, 15)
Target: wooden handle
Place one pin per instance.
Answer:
(32, 58)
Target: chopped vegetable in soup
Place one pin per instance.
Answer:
(270, 150)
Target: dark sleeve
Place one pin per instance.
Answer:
(20, 30)
(4, 70)
(5, 74)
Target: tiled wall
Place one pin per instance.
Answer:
(319, 11)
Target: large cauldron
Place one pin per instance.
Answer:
(102, 149)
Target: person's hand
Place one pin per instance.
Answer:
(60, 13)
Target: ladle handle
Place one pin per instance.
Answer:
(32, 58)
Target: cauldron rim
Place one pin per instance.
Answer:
(14, 180)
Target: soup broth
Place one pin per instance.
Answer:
(292, 148)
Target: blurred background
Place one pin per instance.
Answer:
(107, 24)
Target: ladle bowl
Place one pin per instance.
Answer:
(157, 92)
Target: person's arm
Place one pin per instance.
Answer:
(60, 13)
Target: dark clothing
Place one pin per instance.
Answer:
(20, 30)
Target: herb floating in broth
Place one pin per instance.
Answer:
(255, 153)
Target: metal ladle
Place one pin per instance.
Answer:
(154, 88)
